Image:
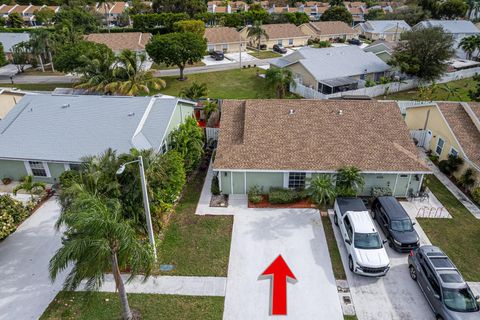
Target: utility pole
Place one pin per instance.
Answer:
(146, 205)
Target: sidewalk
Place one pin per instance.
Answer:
(177, 285)
(453, 188)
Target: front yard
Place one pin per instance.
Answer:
(457, 237)
(266, 54)
(103, 306)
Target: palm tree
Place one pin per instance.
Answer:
(30, 186)
(280, 80)
(188, 139)
(195, 91)
(322, 190)
(40, 45)
(451, 91)
(469, 45)
(98, 238)
(97, 72)
(106, 8)
(256, 32)
(209, 108)
(350, 178)
(130, 76)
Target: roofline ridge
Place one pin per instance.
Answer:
(139, 128)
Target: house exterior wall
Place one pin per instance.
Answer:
(14, 170)
(389, 36)
(7, 102)
(307, 30)
(300, 72)
(297, 42)
(265, 180)
(56, 170)
(225, 47)
(181, 112)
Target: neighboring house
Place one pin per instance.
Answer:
(44, 135)
(26, 11)
(358, 14)
(10, 39)
(334, 69)
(284, 143)
(447, 128)
(224, 39)
(389, 30)
(112, 9)
(284, 34)
(134, 41)
(8, 99)
(459, 29)
(329, 30)
(383, 49)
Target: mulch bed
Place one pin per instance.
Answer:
(302, 204)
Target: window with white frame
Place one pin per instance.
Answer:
(454, 152)
(210, 47)
(440, 145)
(296, 180)
(225, 47)
(290, 42)
(280, 42)
(37, 168)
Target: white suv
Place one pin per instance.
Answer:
(366, 253)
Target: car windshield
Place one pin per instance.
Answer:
(367, 241)
(401, 225)
(461, 300)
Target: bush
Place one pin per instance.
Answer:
(381, 191)
(282, 196)
(345, 192)
(467, 179)
(7, 225)
(255, 194)
(6, 180)
(476, 194)
(215, 188)
(13, 208)
(451, 165)
(433, 157)
(69, 177)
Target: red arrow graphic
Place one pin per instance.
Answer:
(280, 273)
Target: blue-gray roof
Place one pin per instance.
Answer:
(9, 39)
(66, 128)
(381, 26)
(334, 62)
(450, 26)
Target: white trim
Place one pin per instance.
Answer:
(245, 182)
(47, 169)
(231, 182)
(219, 175)
(408, 184)
(308, 177)
(27, 167)
(395, 186)
(66, 166)
(436, 145)
(421, 181)
(452, 148)
(285, 179)
(321, 171)
(39, 160)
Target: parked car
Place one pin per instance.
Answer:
(355, 42)
(279, 49)
(217, 55)
(442, 284)
(366, 253)
(395, 224)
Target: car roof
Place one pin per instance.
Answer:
(446, 271)
(361, 221)
(350, 204)
(392, 207)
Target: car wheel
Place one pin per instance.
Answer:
(350, 263)
(439, 318)
(413, 273)
(335, 219)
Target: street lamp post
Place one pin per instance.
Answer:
(146, 204)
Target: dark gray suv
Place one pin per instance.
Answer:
(447, 293)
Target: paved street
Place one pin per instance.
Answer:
(38, 79)
(26, 290)
(259, 236)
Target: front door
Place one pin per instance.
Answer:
(402, 185)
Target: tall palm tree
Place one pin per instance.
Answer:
(98, 238)
(40, 45)
(30, 186)
(280, 79)
(256, 32)
(130, 76)
(107, 5)
(97, 72)
(322, 190)
(350, 178)
(469, 45)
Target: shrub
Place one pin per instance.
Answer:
(381, 191)
(343, 191)
(6, 180)
(215, 188)
(13, 208)
(282, 196)
(450, 165)
(322, 190)
(467, 179)
(255, 194)
(433, 157)
(69, 177)
(7, 225)
(476, 194)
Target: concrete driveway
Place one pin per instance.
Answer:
(259, 236)
(395, 296)
(26, 290)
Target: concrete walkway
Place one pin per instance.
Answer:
(453, 188)
(186, 286)
(25, 286)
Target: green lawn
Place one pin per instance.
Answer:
(103, 306)
(457, 237)
(350, 317)
(440, 94)
(265, 54)
(196, 245)
(37, 86)
(162, 66)
(230, 84)
(338, 270)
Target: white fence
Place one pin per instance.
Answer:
(383, 89)
(212, 134)
(423, 137)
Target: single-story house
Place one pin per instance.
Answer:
(389, 30)
(382, 48)
(224, 39)
(284, 143)
(329, 30)
(10, 39)
(45, 134)
(134, 41)
(283, 34)
(446, 128)
(459, 29)
(334, 69)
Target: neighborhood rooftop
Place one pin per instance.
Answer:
(331, 28)
(380, 26)
(9, 39)
(222, 35)
(283, 30)
(450, 26)
(315, 135)
(135, 41)
(65, 128)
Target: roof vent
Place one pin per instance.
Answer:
(291, 111)
(65, 106)
(340, 112)
(131, 114)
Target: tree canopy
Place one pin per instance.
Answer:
(337, 13)
(191, 7)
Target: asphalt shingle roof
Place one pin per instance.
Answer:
(380, 26)
(320, 135)
(450, 26)
(66, 127)
(9, 39)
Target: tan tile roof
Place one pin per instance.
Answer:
(222, 35)
(463, 128)
(262, 135)
(283, 30)
(5, 9)
(19, 9)
(331, 28)
(32, 9)
(119, 41)
(356, 10)
(220, 9)
(119, 7)
(322, 9)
